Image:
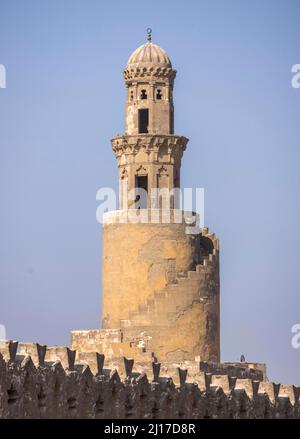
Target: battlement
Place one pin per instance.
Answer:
(254, 371)
(56, 382)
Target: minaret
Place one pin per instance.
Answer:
(149, 138)
(160, 283)
(149, 103)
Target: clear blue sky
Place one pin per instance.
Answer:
(64, 101)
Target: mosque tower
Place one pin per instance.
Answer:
(160, 283)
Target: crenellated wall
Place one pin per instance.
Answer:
(55, 382)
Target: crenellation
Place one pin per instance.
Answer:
(8, 349)
(63, 354)
(244, 384)
(221, 381)
(287, 391)
(36, 351)
(93, 359)
(238, 370)
(51, 390)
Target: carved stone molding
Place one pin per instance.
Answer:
(149, 72)
(131, 145)
(124, 174)
(163, 171)
(141, 170)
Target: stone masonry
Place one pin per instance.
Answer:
(56, 382)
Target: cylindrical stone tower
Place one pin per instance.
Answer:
(160, 282)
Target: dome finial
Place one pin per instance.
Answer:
(149, 34)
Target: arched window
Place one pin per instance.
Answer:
(143, 94)
(131, 95)
(159, 94)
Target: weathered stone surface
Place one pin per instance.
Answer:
(35, 350)
(49, 390)
(8, 349)
(3, 389)
(176, 320)
(63, 354)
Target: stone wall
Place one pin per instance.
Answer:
(41, 382)
(255, 371)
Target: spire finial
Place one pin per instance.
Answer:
(149, 34)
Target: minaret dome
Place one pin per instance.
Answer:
(149, 55)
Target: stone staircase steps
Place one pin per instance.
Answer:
(177, 295)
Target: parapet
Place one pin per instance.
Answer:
(254, 371)
(55, 382)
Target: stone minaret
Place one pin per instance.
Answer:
(149, 139)
(160, 289)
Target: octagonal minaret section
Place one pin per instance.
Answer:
(149, 153)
